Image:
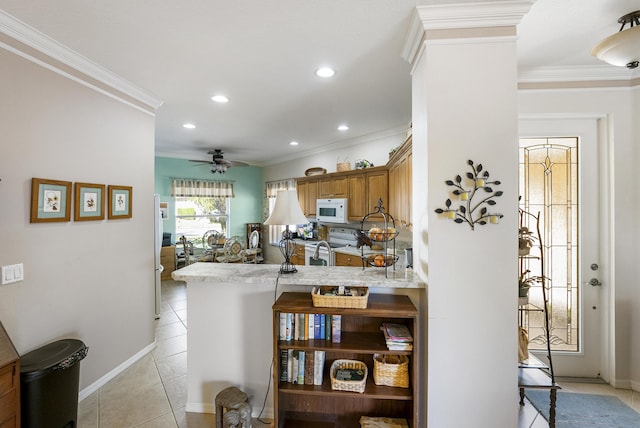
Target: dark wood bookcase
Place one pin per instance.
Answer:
(321, 406)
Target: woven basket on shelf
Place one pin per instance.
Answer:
(348, 385)
(343, 166)
(340, 301)
(391, 370)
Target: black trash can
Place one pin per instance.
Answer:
(49, 381)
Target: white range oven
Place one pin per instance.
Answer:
(338, 237)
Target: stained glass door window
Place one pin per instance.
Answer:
(549, 186)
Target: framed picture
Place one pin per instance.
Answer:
(89, 201)
(164, 210)
(50, 200)
(120, 201)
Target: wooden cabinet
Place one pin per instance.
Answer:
(377, 188)
(357, 197)
(333, 187)
(303, 405)
(307, 194)
(9, 382)
(343, 259)
(168, 261)
(400, 185)
(298, 256)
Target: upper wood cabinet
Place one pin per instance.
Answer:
(333, 187)
(377, 188)
(400, 185)
(307, 194)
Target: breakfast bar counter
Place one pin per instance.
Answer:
(229, 321)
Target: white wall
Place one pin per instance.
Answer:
(90, 280)
(620, 106)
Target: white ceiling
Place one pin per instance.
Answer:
(262, 54)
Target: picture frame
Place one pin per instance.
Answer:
(120, 201)
(50, 200)
(89, 201)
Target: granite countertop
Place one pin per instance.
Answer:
(306, 275)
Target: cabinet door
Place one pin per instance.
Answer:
(377, 188)
(307, 195)
(298, 256)
(357, 197)
(334, 187)
(348, 260)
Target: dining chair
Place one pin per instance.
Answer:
(183, 258)
(233, 251)
(253, 254)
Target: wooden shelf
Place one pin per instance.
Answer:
(297, 405)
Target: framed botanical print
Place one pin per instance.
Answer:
(50, 200)
(89, 201)
(120, 198)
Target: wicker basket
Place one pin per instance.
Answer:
(340, 301)
(391, 370)
(348, 385)
(371, 422)
(343, 166)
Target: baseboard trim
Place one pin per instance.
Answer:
(115, 372)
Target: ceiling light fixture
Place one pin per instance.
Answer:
(623, 48)
(343, 128)
(189, 126)
(220, 168)
(325, 72)
(220, 99)
(293, 143)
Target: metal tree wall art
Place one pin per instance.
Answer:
(472, 211)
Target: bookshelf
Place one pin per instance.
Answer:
(312, 405)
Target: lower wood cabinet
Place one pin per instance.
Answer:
(317, 404)
(343, 259)
(168, 261)
(9, 382)
(297, 258)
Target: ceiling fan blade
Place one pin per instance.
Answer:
(199, 161)
(236, 163)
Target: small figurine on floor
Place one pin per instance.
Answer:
(238, 409)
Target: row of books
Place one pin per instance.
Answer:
(301, 367)
(397, 336)
(310, 326)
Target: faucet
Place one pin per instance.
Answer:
(317, 252)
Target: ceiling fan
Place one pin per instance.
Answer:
(218, 163)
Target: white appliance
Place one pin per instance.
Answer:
(339, 237)
(157, 247)
(332, 210)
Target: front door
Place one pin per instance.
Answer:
(562, 166)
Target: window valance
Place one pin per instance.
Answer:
(273, 187)
(186, 187)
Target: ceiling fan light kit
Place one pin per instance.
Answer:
(218, 164)
(623, 48)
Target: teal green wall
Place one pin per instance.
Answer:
(248, 187)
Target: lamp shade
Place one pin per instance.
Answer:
(621, 49)
(287, 210)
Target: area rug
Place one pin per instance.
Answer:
(585, 410)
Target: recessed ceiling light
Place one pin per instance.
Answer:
(220, 99)
(325, 72)
(189, 125)
(343, 128)
(293, 143)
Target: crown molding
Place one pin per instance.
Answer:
(596, 73)
(460, 16)
(58, 53)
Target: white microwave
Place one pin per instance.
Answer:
(331, 211)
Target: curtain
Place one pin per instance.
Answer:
(186, 187)
(271, 189)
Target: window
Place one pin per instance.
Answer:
(197, 214)
(201, 206)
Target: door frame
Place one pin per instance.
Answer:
(546, 125)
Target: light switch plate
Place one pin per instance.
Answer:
(12, 273)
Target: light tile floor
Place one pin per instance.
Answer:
(153, 392)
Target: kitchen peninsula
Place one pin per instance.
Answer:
(229, 331)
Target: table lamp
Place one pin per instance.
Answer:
(287, 211)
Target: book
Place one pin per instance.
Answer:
(318, 367)
(300, 327)
(288, 326)
(336, 328)
(397, 332)
(301, 363)
(327, 330)
(309, 361)
(283, 325)
(294, 366)
(289, 364)
(316, 326)
(284, 365)
(311, 328)
(306, 326)
(323, 326)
